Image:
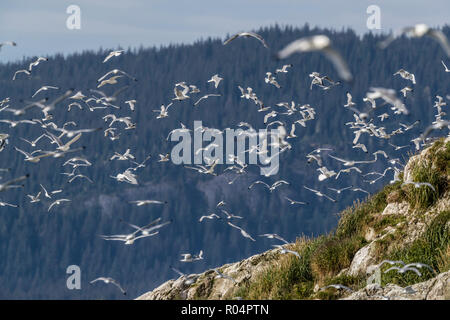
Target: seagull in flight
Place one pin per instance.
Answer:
(57, 202)
(35, 63)
(9, 43)
(272, 187)
(420, 265)
(284, 68)
(350, 103)
(44, 88)
(114, 72)
(247, 35)
(187, 257)
(338, 191)
(206, 97)
(110, 281)
(319, 194)
(405, 90)
(418, 31)
(112, 80)
(349, 163)
(243, 232)
(292, 202)
(12, 183)
(361, 190)
(284, 250)
(223, 276)
(406, 75)
(338, 287)
(115, 53)
(211, 216)
(131, 104)
(347, 170)
(273, 236)
(404, 269)
(21, 71)
(5, 204)
(190, 279)
(419, 184)
(318, 43)
(34, 198)
(216, 79)
(398, 147)
(230, 215)
(140, 203)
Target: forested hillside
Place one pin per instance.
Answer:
(36, 246)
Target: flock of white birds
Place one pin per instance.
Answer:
(66, 139)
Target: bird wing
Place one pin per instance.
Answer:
(257, 36)
(231, 39)
(295, 46)
(442, 39)
(339, 63)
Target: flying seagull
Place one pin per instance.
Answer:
(247, 35)
(112, 281)
(57, 202)
(318, 43)
(272, 187)
(319, 194)
(9, 43)
(113, 54)
(44, 88)
(284, 250)
(406, 75)
(337, 286)
(419, 184)
(223, 276)
(418, 31)
(36, 62)
(295, 201)
(273, 236)
(206, 97)
(146, 202)
(216, 79)
(243, 232)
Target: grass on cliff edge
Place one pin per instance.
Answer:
(324, 257)
(432, 248)
(435, 169)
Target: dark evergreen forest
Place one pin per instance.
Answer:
(36, 246)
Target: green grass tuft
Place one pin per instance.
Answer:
(431, 248)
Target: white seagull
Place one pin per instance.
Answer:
(247, 34)
(216, 79)
(318, 43)
(112, 281)
(115, 53)
(319, 194)
(44, 88)
(418, 31)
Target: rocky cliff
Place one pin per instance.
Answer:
(403, 222)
